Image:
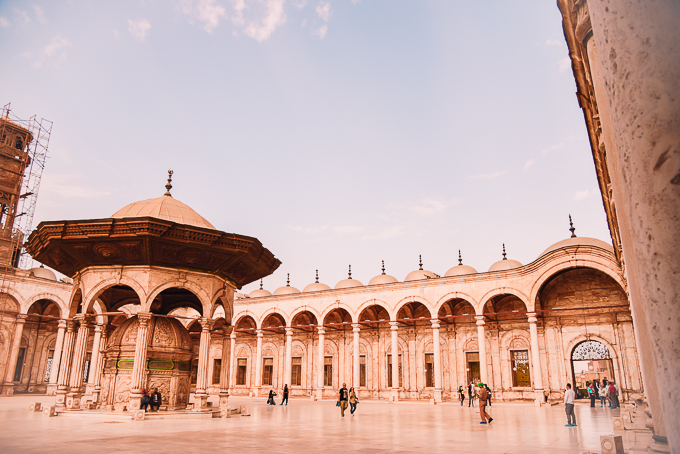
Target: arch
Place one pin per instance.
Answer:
(271, 311)
(96, 291)
(479, 309)
(615, 366)
(245, 316)
(590, 337)
(302, 309)
(413, 308)
(374, 302)
(453, 296)
(186, 285)
(408, 300)
(63, 308)
(570, 263)
(338, 305)
(13, 297)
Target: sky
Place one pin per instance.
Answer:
(337, 132)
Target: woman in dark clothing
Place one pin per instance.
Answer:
(471, 397)
(285, 395)
(461, 395)
(270, 400)
(145, 400)
(593, 394)
(488, 397)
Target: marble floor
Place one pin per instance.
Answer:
(311, 427)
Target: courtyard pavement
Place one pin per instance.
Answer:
(311, 427)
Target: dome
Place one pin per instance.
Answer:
(579, 241)
(166, 208)
(459, 270)
(43, 273)
(287, 290)
(383, 279)
(348, 283)
(316, 287)
(505, 264)
(419, 275)
(259, 293)
(168, 335)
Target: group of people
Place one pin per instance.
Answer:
(346, 397)
(272, 394)
(153, 400)
(607, 392)
(474, 392)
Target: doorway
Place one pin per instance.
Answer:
(473, 375)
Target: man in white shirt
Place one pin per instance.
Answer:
(569, 399)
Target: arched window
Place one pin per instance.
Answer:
(591, 361)
(19, 144)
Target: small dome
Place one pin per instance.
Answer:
(579, 241)
(383, 279)
(459, 270)
(316, 287)
(505, 264)
(259, 293)
(166, 208)
(348, 283)
(287, 290)
(43, 273)
(418, 275)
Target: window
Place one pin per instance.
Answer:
(20, 364)
(19, 144)
(48, 367)
(241, 373)
(429, 370)
(86, 367)
(268, 371)
(389, 372)
(217, 370)
(296, 372)
(362, 370)
(194, 371)
(328, 371)
(520, 368)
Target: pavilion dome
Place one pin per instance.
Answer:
(460, 270)
(349, 282)
(383, 279)
(165, 207)
(43, 273)
(316, 286)
(259, 293)
(420, 273)
(287, 289)
(579, 241)
(505, 264)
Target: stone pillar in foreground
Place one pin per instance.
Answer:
(94, 359)
(224, 372)
(436, 349)
(394, 327)
(356, 328)
(320, 363)
(56, 358)
(98, 367)
(8, 386)
(289, 358)
(232, 359)
(258, 363)
(535, 359)
(201, 395)
(139, 365)
(481, 340)
(65, 368)
(75, 392)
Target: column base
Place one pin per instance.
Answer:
(201, 402)
(8, 389)
(538, 397)
(73, 400)
(60, 401)
(438, 396)
(135, 400)
(319, 393)
(394, 397)
(51, 389)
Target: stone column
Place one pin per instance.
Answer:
(258, 363)
(289, 356)
(319, 369)
(65, 368)
(232, 359)
(75, 391)
(224, 372)
(56, 359)
(535, 359)
(94, 359)
(139, 365)
(356, 328)
(8, 387)
(481, 340)
(201, 396)
(436, 349)
(394, 327)
(98, 367)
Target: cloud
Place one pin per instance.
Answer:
(269, 15)
(206, 11)
(321, 31)
(564, 64)
(139, 28)
(57, 43)
(553, 148)
(581, 195)
(21, 17)
(338, 230)
(529, 164)
(392, 232)
(299, 4)
(488, 176)
(303, 24)
(554, 42)
(355, 2)
(39, 14)
(66, 186)
(431, 205)
(4, 22)
(116, 35)
(324, 10)
(54, 48)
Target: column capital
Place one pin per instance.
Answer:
(98, 328)
(21, 318)
(480, 320)
(394, 326)
(532, 317)
(70, 324)
(260, 333)
(435, 324)
(321, 330)
(356, 327)
(233, 334)
(61, 324)
(206, 324)
(289, 331)
(144, 318)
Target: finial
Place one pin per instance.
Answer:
(572, 228)
(504, 257)
(288, 281)
(350, 272)
(460, 259)
(383, 267)
(260, 284)
(420, 262)
(168, 186)
(317, 276)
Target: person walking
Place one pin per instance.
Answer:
(353, 401)
(569, 400)
(285, 395)
(603, 396)
(483, 399)
(613, 395)
(471, 396)
(156, 400)
(592, 392)
(461, 395)
(488, 390)
(342, 399)
(270, 400)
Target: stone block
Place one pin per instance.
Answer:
(618, 423)
(225, 413)
(611, 444)
(50, 411)
(36, 406)
(138, 415)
